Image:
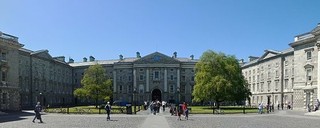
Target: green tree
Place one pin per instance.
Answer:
(96, 84)
(219, 78)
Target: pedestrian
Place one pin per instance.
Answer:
(260, 109)
(37, 110)
(108, 109)
(187, 114)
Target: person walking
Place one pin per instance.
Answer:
(108, 109)
(37, 110)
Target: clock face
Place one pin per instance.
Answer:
(156, 58)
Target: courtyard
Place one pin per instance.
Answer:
(278, 119)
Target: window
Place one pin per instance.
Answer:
(171, 69)
(4, 98)
(286, 72)
(254, 71)
(141, 89)
(253, 88)
(249, 79)
(129, 89)
(269, 66)
(171, 88)
(254, 78)
(258, 88)
(309, 55)
(171, 77)
(258, 78)
(156, 75)
(277, 73)
(141, 69)
(183, 78)
(3, 56)
(249, 73)
(286, 84)
(286, 62)
(276, 85)
(261, 87)
(277, 64)
(120, 89)
(309, 74)
(269, 75)
(192, 78)
(292, 71)
(182, 88)
(129, 78)
(141, 77)
(3, 76)
(269, 83)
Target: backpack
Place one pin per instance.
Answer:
(108, 107)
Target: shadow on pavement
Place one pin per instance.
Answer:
(14, 116)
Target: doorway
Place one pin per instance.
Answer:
(156, 95)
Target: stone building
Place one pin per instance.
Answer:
(9, 82)
(44, 78)
(270, 77)
(152, 77)
(289, 76)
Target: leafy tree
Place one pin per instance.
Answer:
(219, 78)
(96, 85)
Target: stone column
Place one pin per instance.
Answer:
(178, 78)
(165, 80)
(147, 81)
(134, 79)
(318, 70)
(114, 81)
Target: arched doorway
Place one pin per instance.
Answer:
(156, 95)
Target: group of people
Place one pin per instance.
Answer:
(156, 105)
(269, 107)
(181, 109)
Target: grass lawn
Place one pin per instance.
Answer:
(90, 110)
(225, 109)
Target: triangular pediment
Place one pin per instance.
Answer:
(269, 54)
(43, 54)
(157, 58)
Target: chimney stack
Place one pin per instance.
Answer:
(138, 54)
(71, 60)
(91, 58)
(121, 57)
(174, 55)
(192, 57)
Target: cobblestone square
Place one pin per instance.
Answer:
(279, 119)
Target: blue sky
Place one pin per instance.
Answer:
(107, 28)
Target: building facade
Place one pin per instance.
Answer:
(289, 76)
(9, 84)
(44, 78)
(152, 77)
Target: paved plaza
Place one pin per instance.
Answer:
(278, 119)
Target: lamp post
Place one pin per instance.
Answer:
(178, 93)
(40, 98)
(134, 100)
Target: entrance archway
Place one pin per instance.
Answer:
(156, 95)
